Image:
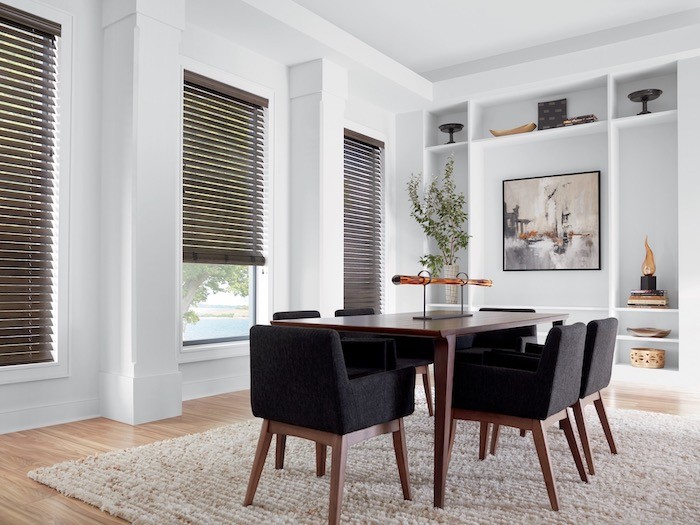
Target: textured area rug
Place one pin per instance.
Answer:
(201, 478)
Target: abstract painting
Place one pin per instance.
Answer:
(552, 222)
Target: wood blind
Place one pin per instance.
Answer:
(223, 174)
(28, 200)
(363, 228)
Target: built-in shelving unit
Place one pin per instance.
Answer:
(638, 158)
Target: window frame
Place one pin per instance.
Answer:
(60, 367)
(212, 350)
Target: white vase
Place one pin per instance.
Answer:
(451, 291)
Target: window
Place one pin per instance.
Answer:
(28, 187)
(363, 230)
(223, 234)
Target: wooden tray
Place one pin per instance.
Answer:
(649, 332)
(525, 128)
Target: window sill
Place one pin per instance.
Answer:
(33, 372)
(212, 351)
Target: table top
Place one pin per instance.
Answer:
(405, 324)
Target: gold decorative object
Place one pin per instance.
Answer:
(525, 128)
(648, 266)
(647, 357)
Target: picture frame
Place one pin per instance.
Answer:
(552, 222)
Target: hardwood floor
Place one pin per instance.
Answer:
(23, 501)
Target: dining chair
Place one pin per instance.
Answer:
(524, 399)
(411, 352)
(599, 353)
(300, 387)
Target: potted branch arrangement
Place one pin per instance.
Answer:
(440, 213)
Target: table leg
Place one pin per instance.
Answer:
(444, 369)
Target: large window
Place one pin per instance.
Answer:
(363, 229)
(223, 234)
(28, 187)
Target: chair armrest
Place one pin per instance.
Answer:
(511, 359)
(525, 340)
(364, 352)
(533, 349)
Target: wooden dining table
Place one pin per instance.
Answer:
(444, 332)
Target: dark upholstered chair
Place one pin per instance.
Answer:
(597, 370)
(296, 314)
(524, 399)
(300, 387)
(470, 348)
(595, 376)
(411, 352)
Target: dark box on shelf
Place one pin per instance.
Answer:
(648, 282)
(551, 114)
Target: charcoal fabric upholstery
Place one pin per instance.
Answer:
(298, 376)
(471, 347)
(598, 357)
(354, 311)
(511, 359)
(296, 314)
(552, 387)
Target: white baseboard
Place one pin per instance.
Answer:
(215, 386)
(46, 415)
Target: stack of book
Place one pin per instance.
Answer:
(648, 299)
(582, 119)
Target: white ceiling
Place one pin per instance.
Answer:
(426, 35)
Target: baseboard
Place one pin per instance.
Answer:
(214, 387)
(46, 415)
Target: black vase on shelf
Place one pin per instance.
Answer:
(451, 128)
(644, 96)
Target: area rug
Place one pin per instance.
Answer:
(201, 478)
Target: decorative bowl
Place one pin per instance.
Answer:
(649, 332)
(647, 357)
(525, 128)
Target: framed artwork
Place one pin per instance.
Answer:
(552, 222)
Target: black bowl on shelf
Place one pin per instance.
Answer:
(644, 96)
(451, 128)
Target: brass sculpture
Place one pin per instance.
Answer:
(648, 266)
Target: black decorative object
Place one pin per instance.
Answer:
(644, 96)
(647, 282)
(551, 114)
(451, 128)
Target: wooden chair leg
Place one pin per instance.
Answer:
(540, 438)
(453, 431)
(600, 408)
(259, 462)
(523, 432)
(428, 390)
(565, 425)
(495, 432)
(280, 445)
(321, 459)
(483, 438)
(583, 435)
(402, 459)
(339, 456)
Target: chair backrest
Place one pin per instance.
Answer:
(507, 338)
(354, 311)
(295, 314)
(559, 371)
(598, 356)
(298, 376)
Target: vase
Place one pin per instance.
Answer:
(451, 291)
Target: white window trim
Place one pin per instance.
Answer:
(211, 351)
(60, 367)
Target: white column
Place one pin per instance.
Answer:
(140, 249)
(318, 91)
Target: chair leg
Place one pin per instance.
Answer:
(428, 390)
(583, 434)
(453, 431)
(280, 445)
(258, 463)
(494, 438)
(540, 438)
(523, 432)
(483, 438)
(339, 456)
(320, 459)
(565, 425)
(402, 459)
(600, 408)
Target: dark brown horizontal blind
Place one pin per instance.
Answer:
(223, 174)
(363, 230)
(28, 214)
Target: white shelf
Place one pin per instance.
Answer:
(648, 310)
(635, 121)
(444, 148)
(670, 340)
(566, 132)
(627, 372)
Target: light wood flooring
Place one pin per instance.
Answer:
(23, 501)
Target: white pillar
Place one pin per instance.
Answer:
(140, 251)
(318, 91)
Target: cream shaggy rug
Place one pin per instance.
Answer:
(201, 478)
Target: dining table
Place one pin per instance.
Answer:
(444, 332)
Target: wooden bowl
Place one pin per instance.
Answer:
(649, 332)
(525, 128)
(647, 357)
